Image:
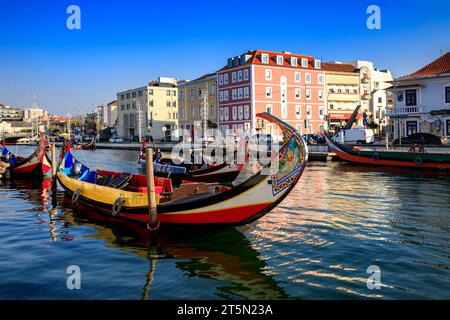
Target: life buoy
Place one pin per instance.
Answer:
(376, 156)
(418, 161)
(117, 206)
(76, 196)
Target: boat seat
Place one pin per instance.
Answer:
(158, 189)
(190, 189)
(121, 181)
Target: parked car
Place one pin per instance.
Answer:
(314, 138)
(355, 136)
(422, 138)
(116, 139)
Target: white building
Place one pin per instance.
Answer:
(373, 89)
(422, 100)
(34, 114)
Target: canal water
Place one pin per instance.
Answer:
(317, 244)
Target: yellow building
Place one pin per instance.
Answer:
(149, 111)
(197, 103)
(342, 92)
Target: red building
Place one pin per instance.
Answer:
(289, 86)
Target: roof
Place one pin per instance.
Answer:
(440, 66)
(255, 58)
(338, 67)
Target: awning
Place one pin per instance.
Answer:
(342, 116)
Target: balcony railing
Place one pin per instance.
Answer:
(403, 110)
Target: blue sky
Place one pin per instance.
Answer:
(123, 44)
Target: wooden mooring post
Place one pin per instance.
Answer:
(153, 223)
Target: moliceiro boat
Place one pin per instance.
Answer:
(37, 164)
(125, 195)
(87, 146)
(411, 159)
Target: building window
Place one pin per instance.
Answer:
(122, 107)
(280, 60)
(317, 64)
(221, 96)
(128, 95)
(268, 74)
(308, 77)
(140, 93)
(308, 112)
(240, 93)
(299, 128)
(212, 89)
(239, 76)
(133, 94)
(240, 112)
(246, 94)
(233, 77)
(221, 114)
(269, 109)
(168, 93)
(122, 97)
(128, 106)
(448, 127)
(298, 112)
(411, 97)
(320, 95)
(150, 92)
(246, 112)
(233, 94)
(320, 78)
(227, 114)
(225, 78)
(225, 95)
(304, 63)
(293, 61)
(298, 93)
(308, 94)
(268, 92)
(265, 58)
(297, 77)
(380, 100)
(245, 74)
(191, 93)
(321, 112)
(168, 103)
(447, 94)
(221, 79)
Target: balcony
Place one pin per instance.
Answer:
(365, 79)
(397, 111)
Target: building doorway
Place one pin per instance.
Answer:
(411, 127)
